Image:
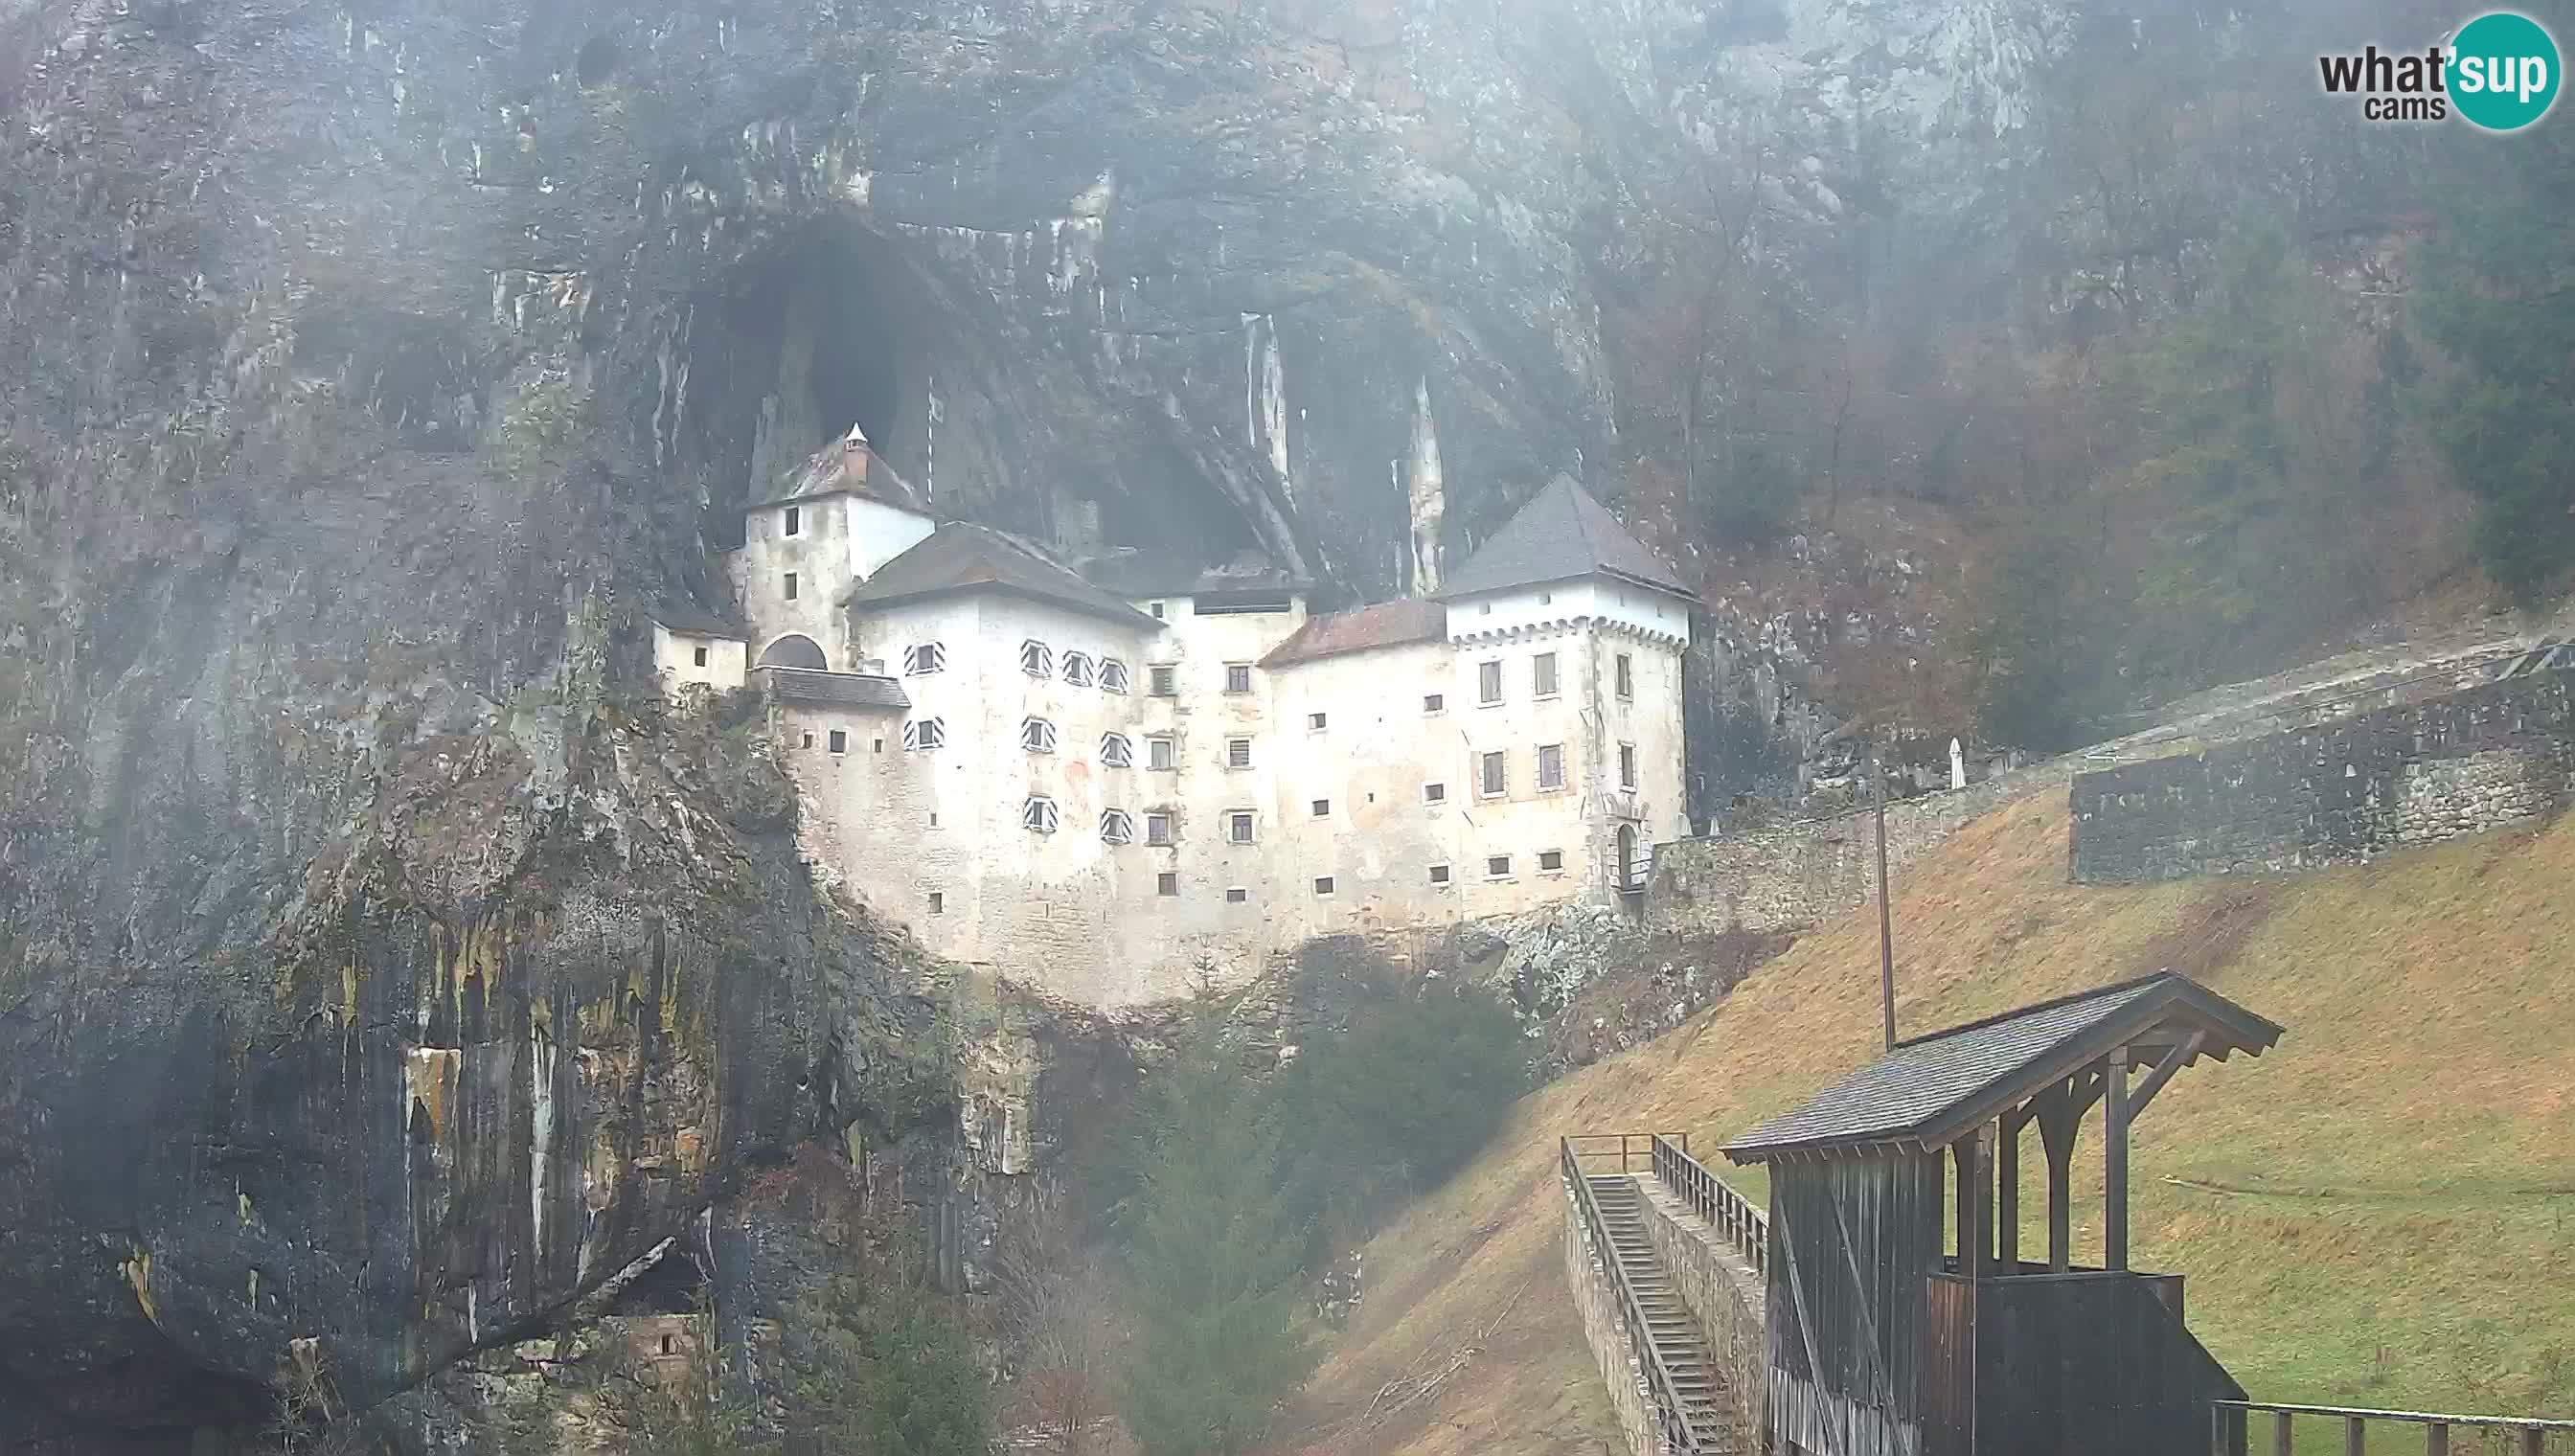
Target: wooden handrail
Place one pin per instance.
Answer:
(2232, 1420)
(1680, 1435)
(1744, 1225)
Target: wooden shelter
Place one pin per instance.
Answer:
(1883, 1342)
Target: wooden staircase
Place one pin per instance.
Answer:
(1670, 1323)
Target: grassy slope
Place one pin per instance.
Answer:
(2382, 1211)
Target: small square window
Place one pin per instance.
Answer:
(933, 819)
(1542, 674)
(1037, 659)
(1112, 675)
(1550, 765)
(1117, 752)
(1237, 753)
(1237, 826)
(1158, 611)
(938, 903)
(1161, 753)
(1158, 829)
(1237, 895)
(1434, 793)
(1164, 680)
(1313, 721)
(1546, 599)
(1167, 882)
(1627, 765)
(1497, 866)
(699, 656)
(1039, 815)
(1076, 670)
(1116, 826)
(921, 659)
(790, 586)
(1323, 808)
(839, 741)
(1434, 702)
(1438, 874)
(1323, 885)
(1626, 672)
(1488, 681)
(1036, 735)
(794, 520)
(876, 745)
(925, 733)
(1237, 677)
(808, 741)
(1550, 861)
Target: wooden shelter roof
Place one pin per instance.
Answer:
(1931, 1091)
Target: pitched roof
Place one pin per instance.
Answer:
(1561, 534)
(678, 613)
(960, 557)
(1932, 1089)
(836, 690)
(849, 465)
(1386, 624)
(1131, 573)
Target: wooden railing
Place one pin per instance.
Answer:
(2235, 1419)
(1744, 1226)
(1678, 1434)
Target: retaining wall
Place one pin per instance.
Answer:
(2334, 794)
(1728, 1298)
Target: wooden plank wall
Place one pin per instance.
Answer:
(1851, 1244)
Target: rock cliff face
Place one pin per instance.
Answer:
(379, 964)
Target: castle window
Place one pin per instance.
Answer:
(1117, 752)
(1162, 753)
(937, 903)
(1497, 866)
(1627, 765)
(923, 658)
(1323, 808)
(1237, 895)
(808, 741)
(1315, 722)
(1237, 677)
(1323, 885)
(1626, 674)
(1550, 765)
(1116, 826)
(1167, 882)
(876, 745)
(790, 586)
(1037, 659)
(925, 733)
(1493, 775)
(1488, 681)
(1237, 753)
(1546, 599)
(1543, 674)
(1158, 829)
(1434, 793)
(1162, 678)
(1434, 702)
(1237, 826)
(1438, 874)
(1077, 669)
(1036, 735)
(839, 741)
(1112, 675)
(665, 1344)
(1158, 611)
(795, 521)
(1037, 813)
(1551, 862)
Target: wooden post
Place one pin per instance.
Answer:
(1886, 912)
(2355, 1436)
(1971, 1224)
(2436, 1439)
(2056, 1124)
(2007, 1194)
(2115, 1163)
(2533, 1440)
(2280, 1433)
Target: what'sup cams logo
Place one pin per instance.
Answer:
(2499, 73)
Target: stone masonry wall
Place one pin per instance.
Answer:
(1596, 1304)
(2334, 794)
(1796, 875)
(1726, 1295)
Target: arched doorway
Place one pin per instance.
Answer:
(1628, 875)
(795, 651)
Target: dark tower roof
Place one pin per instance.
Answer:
(960, 557)
(1561, 534)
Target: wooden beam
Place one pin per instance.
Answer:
(2114, 1162)
(1972, 1238)
(2059, 1117)
(2007, 1194)
(2163, 1073)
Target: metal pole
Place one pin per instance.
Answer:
(1886, 915)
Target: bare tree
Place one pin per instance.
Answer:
(1059, 1309)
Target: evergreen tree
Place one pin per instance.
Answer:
(881, 1368)
(2499, 299)
(1215, 1262)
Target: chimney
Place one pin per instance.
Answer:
(854, 457)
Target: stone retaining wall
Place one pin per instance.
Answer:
(1622, 1370)
(2333, 793)
(1728, 1299)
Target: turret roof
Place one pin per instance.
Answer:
(1561, 534)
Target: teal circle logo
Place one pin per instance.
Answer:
(2503, 71)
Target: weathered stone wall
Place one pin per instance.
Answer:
(1596, 1304)
(1726, 1296)
(1800, 874)
(2342, 792)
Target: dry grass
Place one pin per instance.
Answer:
(2377, 1212)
